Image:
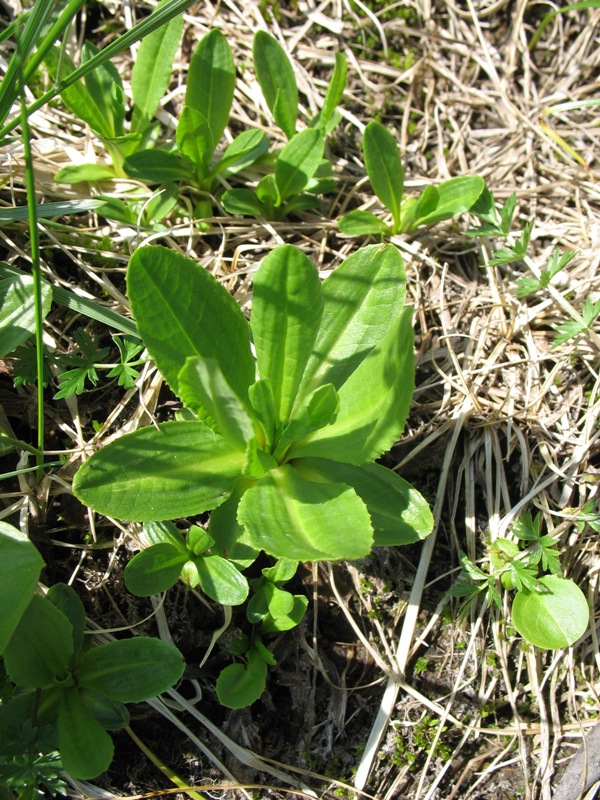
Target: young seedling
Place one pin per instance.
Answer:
(76, 691)
(300, 173)
(208, 101)
(386, 173)
(548, 610)
(282, 449)
(99, 100)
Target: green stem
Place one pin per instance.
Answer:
(35, 264)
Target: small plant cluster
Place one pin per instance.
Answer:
(548, 610)
(283, 415)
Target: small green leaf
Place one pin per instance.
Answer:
(65, 598)
(221, 581)
(85, 173)
(195, 139)
(175, 470)
(556, 617)
(131, 670)
(156, 166)
(86, 749)
(363, 223)
(258, 462)
(243, 151)
(334, 94)
(242, 202)
(384, 168)
(17, 311)
(21, 568)
(239, 686)
(445, 201)
(315, 412)
(41, 646)
(298, 161)
(111, 714)
(286, 312)
(152, 70)
(198, 540)
(160, 532)
(231, 540)
(283, 571)
(262, 400)
(154, 569)
(290, 517)
(277, 81)
(288, 621)
(211, 82)
(181, 310)
(204, 388)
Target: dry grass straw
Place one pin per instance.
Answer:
(503, 421)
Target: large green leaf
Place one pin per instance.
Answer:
(155, 166)
(363, 297)
(399, 513)
(86, 749)
(243, 151)
(286, 312)
(556, 616)
(384, 167)
(17, 311)
(20, 572)
(275, 75)
(154, 569)
(131, 670)
(39, 650)
(152, 70)
(231, 539)
(374, 403)
(182, 311)
(290, 517)
(211, 81)
(203, 388)
(175, 470)
(298, 162)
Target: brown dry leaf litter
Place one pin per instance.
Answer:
(502, 421)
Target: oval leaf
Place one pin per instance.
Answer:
(211, 82)
(239, 686)
(131, 670)
(384, 167)
(277, 81)
(290, 517)
(555, 618)
(21, 568)
(86, 749)
(178, 469)
(298, 162)
(182, 311)
(154, 570)
(221, 581)
(41, 647)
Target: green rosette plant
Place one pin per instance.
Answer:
(279, 440)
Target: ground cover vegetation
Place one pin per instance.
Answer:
(283, 288)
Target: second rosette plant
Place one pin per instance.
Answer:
(283, 416)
